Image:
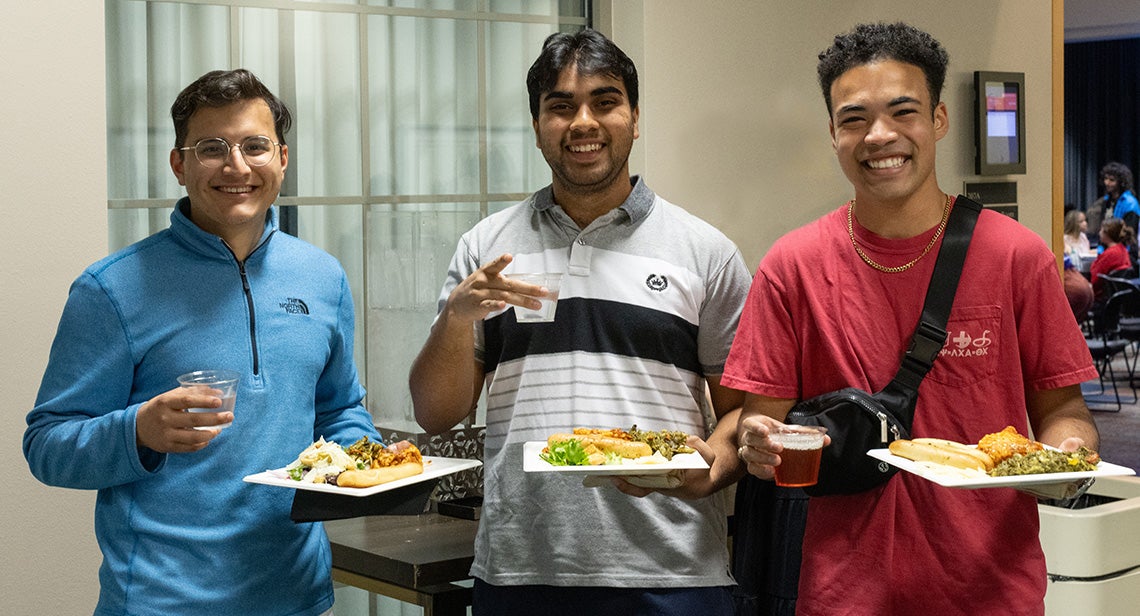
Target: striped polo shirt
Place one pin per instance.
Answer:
(648, 306)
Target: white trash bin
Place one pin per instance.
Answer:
(1092, 552)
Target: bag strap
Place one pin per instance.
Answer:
(930, 335)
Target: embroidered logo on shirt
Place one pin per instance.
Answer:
(965, 345)
(295, 306)
(656, 282)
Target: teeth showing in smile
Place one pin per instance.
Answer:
(886, 163)
(235, 189)
(593, 147)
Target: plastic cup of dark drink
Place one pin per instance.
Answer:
(799, 461)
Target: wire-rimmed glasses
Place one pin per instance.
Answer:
(212, 152)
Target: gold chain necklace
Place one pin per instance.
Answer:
(905, 266)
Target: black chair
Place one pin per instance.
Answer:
(1128, 320)
(1104, 346)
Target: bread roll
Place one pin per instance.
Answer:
(375, 476)
(939, 454)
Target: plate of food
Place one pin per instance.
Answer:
(1003, 459)
(646, 458)
(362, 469)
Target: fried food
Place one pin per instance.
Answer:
(1004, 444)
(594, 446)
(601, 442)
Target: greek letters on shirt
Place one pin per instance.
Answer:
(965, 344)
(971, 352)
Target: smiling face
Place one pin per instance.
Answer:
(585, 129)
(884, 133)
(231, 201)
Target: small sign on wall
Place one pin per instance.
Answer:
(996, 196)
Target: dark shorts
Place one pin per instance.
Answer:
(491, 600)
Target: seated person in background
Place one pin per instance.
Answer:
(1076, 242)
(1078, 290)
(1116, 238)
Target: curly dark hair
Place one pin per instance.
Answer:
(1120, 172)
(221, 88)
(867, 43)
(590, 52)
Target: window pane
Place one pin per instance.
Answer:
(437, 5)
(525, 7)
(423, 106)
(152, 53)
(337, 229)
(572, 8)
(409, 249)
(127, 226)
(514, 164)
(326, 157)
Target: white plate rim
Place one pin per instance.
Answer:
(532, 463)
(1104, 469)
(434, 468)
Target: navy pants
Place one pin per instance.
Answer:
(491, 600)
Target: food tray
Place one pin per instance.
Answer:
(532, 463)
(952, 478)
(434, 468)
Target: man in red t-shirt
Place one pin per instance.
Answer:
(834, 305)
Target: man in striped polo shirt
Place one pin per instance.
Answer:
(647, 310)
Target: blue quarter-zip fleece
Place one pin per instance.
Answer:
(182, 533)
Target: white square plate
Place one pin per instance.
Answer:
(434, 468)
(951, 478)
(532, 463)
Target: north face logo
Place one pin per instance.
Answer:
(295, 306)
(656, 282)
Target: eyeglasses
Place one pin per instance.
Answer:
(213, 152)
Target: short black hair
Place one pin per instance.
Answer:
(221, 88)
(867, 43)
(590, 52)
(1121, 172)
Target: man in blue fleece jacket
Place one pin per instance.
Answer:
(181, 533)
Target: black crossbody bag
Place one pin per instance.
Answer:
(858, 421)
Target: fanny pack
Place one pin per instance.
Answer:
(858, 421)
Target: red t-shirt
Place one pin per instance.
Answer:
(1113, 258)
(819, 319)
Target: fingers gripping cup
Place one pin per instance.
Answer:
(799, 462)
(545, 314)
(225, 381)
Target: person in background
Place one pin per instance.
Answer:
(1117, 238)
(221, 288)
(1118, 200)
(834, 305)
(1076, 242)
(646, 313)
(1078, 290)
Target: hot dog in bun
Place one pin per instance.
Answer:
(363, 465)
(940, 451)
(383, 464)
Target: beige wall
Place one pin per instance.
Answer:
(733, 123)
(733, 128)
(54, 190)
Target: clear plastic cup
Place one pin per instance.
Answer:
(545, 314)
(799, 462)
(225, 381)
